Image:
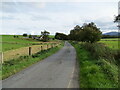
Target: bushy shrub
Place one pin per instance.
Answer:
(99, 50)
(117, 56)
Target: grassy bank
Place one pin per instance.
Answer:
(97, 69)
(15, 65)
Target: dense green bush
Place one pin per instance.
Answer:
(87, 33)
(99, 50)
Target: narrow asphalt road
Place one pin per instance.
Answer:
(56, 71)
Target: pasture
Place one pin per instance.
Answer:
(20, 39)
(10, 43)
(112, 43)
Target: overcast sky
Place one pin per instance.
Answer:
(34, 17)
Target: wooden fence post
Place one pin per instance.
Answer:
(41, 48)
(47, 46)
(1, 57)
(30, 51)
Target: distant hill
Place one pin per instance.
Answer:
(112, 33)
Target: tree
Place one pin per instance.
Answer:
(74, 34)
(45, 36)
(61, 36)
(87, 33)
(25, 35)
(30, 36)
(14, 36)
(91, 35)
(117, 18)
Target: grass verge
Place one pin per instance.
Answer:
(15, 65)
(95, 72)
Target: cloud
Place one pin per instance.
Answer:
(21, 7)
(56, 17)
(40, 18)
(60, 0)
(39, 4)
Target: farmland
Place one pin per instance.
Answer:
(112, 43)
(10, 43)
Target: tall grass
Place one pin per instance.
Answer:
(97, 70)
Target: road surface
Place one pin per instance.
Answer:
(56, 71)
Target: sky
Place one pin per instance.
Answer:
(34, 17)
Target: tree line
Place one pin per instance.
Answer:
(86, 33)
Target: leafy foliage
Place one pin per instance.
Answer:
(25, 35)
(117, 18)
(86, 33)
(61, 36)
(45, 36)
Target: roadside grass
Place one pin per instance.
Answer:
(95, 72)
(15, 65)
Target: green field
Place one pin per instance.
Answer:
(51, 36)
(20, 39)
(10, 43)
(110, 39)
(6, 46)
(112, 43)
